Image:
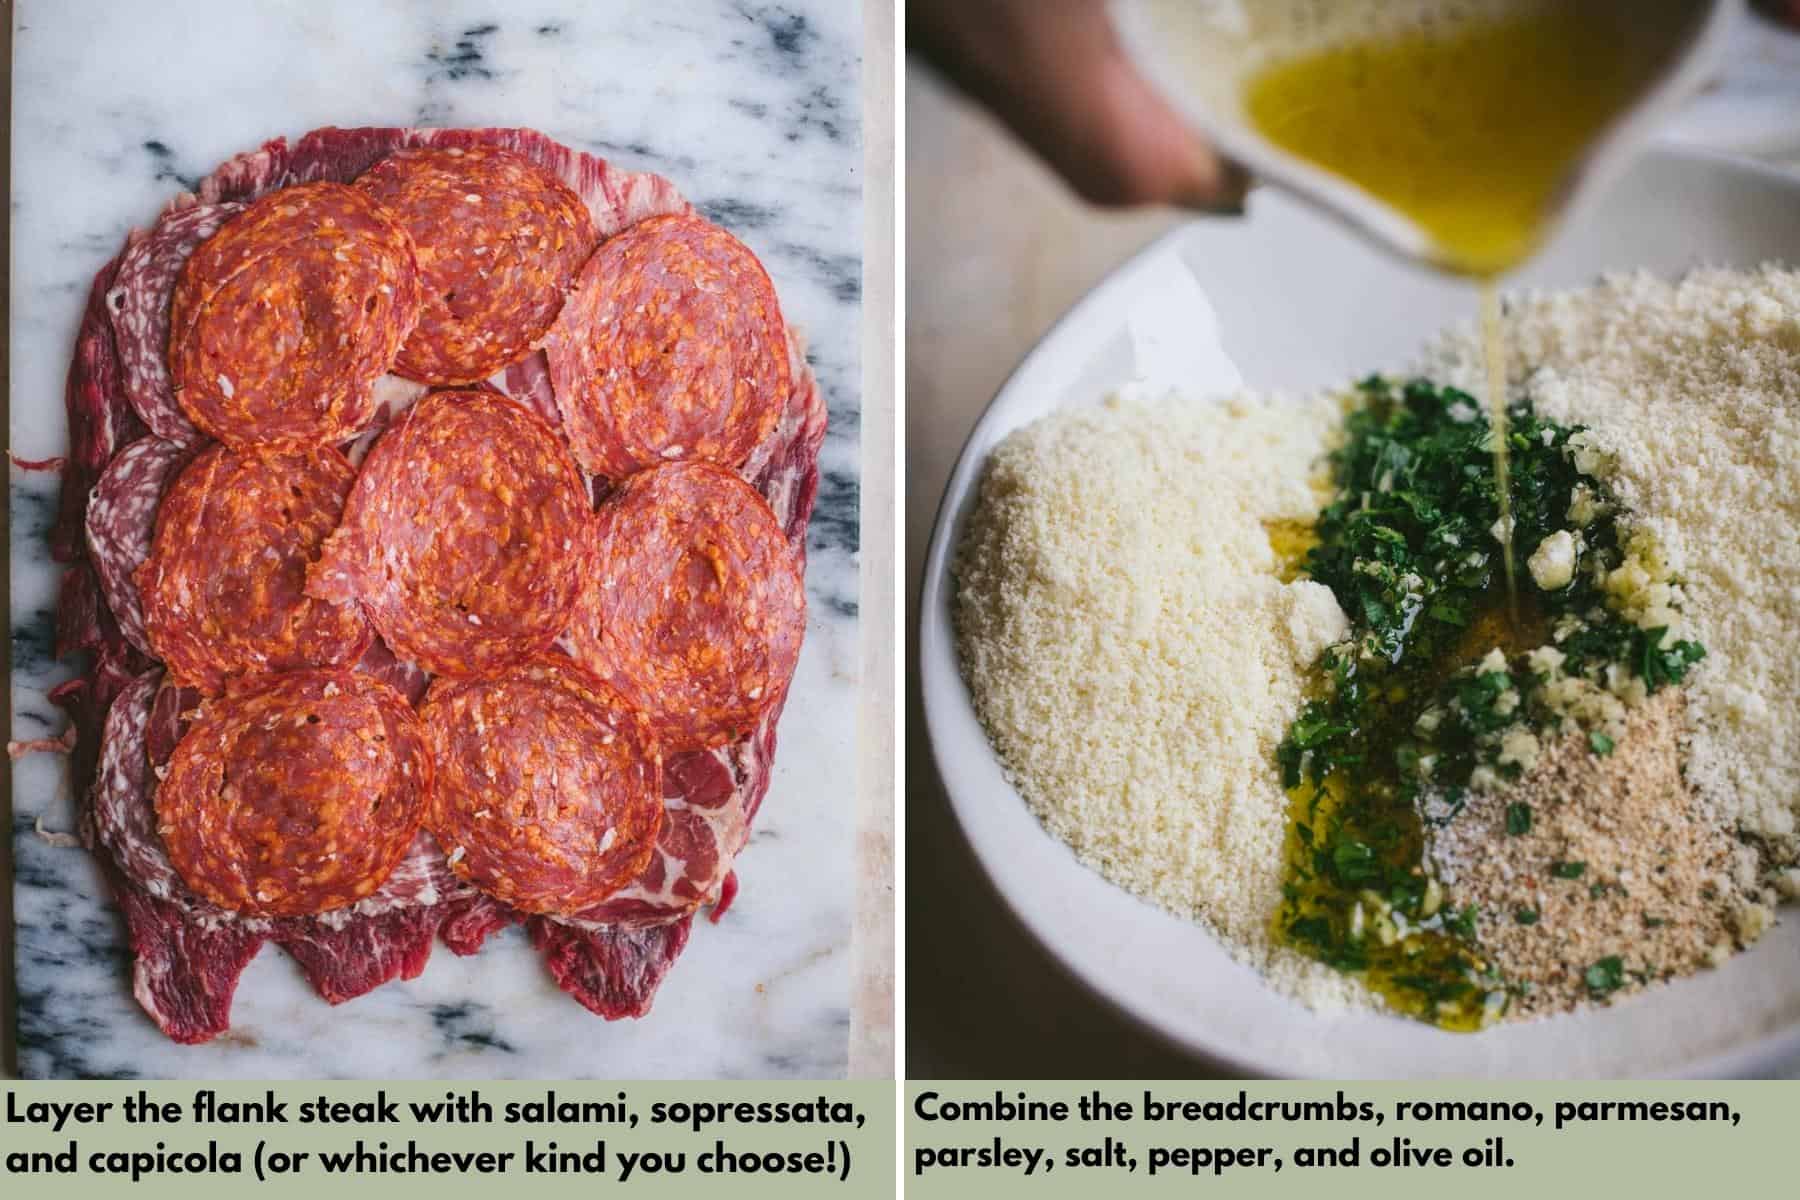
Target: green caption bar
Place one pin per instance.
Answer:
(1465, 1140)
(194, 1140)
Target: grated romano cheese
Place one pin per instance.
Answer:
(1692, 389)
(1135, 657)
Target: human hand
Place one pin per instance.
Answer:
(1054, 72)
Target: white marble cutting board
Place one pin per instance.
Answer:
(753, 111)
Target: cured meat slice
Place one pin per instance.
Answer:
(224, 587)
(282, 321)
(612, 972)
(171, 712)
(784, 468)
(709, 798)
(191, 951)
(422, 879)
(138, 305)
(100, 418)
(548, 789)
(615, 198)
(672, 346)
(121, 526)
(696, 606)
(187, 955)
(528, 382)
(124, 822)
(465, 538)
(499, 241)
(296, 796)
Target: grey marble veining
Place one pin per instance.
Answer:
(753, 111)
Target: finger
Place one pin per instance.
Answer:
(1130, 147)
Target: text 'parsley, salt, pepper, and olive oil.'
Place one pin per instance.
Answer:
(1438, 691)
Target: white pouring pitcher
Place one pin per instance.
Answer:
(1200, 53)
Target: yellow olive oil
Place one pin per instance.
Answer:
(1290, 540)
(1415, 970)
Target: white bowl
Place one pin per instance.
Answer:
(1283, 300)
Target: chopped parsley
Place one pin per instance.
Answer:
(1426, 700)
(1568, 870)
(1526, 916)
(1607, 975)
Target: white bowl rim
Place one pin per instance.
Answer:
(941, 678)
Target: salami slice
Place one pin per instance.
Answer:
(282, 321)
(549, 787)
(121, 526)
(672, 346)
(138, 306)
(295, 796)
(124, 821)
(224, 587)
(466, 536)
(615, 198)
(100, 418)
(422, 879)
(696, 606)
(499, 242)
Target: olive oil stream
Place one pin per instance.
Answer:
(1469, 131)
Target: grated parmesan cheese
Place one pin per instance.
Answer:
(1134, 656)
(1692, 390)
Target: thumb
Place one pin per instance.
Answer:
(1057, 75)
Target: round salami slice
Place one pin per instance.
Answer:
(282, 321)
(121, 523)
(297, 795)
(548, 791)
(224, 587)
(124, 820)
(499, 243)
(671, 347)
(466, 537)
(696, 606)
(138, 305)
